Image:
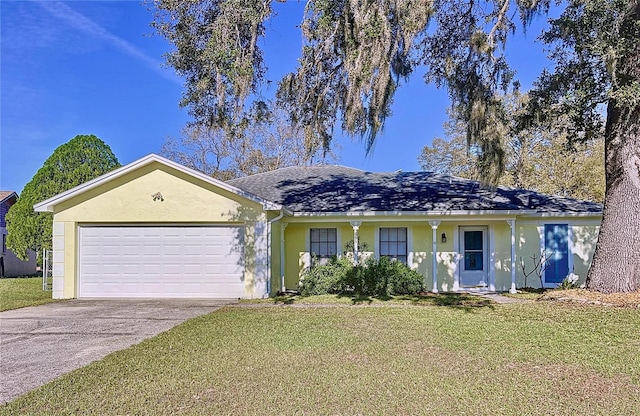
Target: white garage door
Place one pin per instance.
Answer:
(161, 262)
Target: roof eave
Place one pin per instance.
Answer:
(506, 213)
(11, 195)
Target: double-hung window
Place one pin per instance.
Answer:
(324, 243)
(393, 244)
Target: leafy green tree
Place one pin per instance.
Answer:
(597, 53)
(357, 53)
(73, 163)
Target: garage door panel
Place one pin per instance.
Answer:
(161, 262)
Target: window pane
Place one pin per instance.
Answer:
(332, 249)
(473, 261)
(384, 248)
(324, 242)
(393, 243)
(473, 240)
(314, 235)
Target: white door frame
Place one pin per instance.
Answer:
(482, 277)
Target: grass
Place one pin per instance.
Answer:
(521, 359)
(528, 293)
(19, 292)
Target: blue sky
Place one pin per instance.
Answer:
(95, 67)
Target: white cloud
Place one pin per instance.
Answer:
(80, 22)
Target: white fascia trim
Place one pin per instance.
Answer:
(574, 221)
(403, 216)
(48, 205)
(444, 215)
(562, 214)
(509, 214)
(12, 194)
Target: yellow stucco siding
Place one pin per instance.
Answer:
(186, 200)
(129, 199)
(500, 256)
(446, 258)
(527, 245)
(295, 252)
(530, 235)
(584, 239)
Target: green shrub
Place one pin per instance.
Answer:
(382, 277)
(328, 278)
(402, 280)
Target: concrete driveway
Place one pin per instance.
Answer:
(40, 343)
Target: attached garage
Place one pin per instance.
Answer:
(161, 262)
(157, 229)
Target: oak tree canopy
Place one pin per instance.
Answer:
(356, 54)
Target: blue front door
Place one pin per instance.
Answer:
(556, 244)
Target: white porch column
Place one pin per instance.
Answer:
(434, 272)
(512, 225)
(283, 226)
(356, 227)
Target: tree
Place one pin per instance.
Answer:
(266, 144)
(77, 161)
(538, 158)
(597, 56)
(449, 157)
(356, 54)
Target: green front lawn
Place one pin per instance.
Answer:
(522, 359)
(18, 292)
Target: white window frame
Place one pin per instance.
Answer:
(408, 257)
(323, 258)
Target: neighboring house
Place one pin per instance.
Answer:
(155, 228)
(10, 265)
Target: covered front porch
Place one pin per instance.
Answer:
(452, 254)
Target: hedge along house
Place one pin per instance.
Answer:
(154, 228)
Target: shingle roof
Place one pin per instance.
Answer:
(340, 189)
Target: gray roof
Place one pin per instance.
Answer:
(340, 189)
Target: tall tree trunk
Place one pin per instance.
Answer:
(616, 262)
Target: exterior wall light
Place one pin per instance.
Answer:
(157, 197)
(444, 238)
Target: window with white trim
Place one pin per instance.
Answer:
(393, 243)
(324, 243)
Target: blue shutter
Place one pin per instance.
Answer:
(556, 244)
